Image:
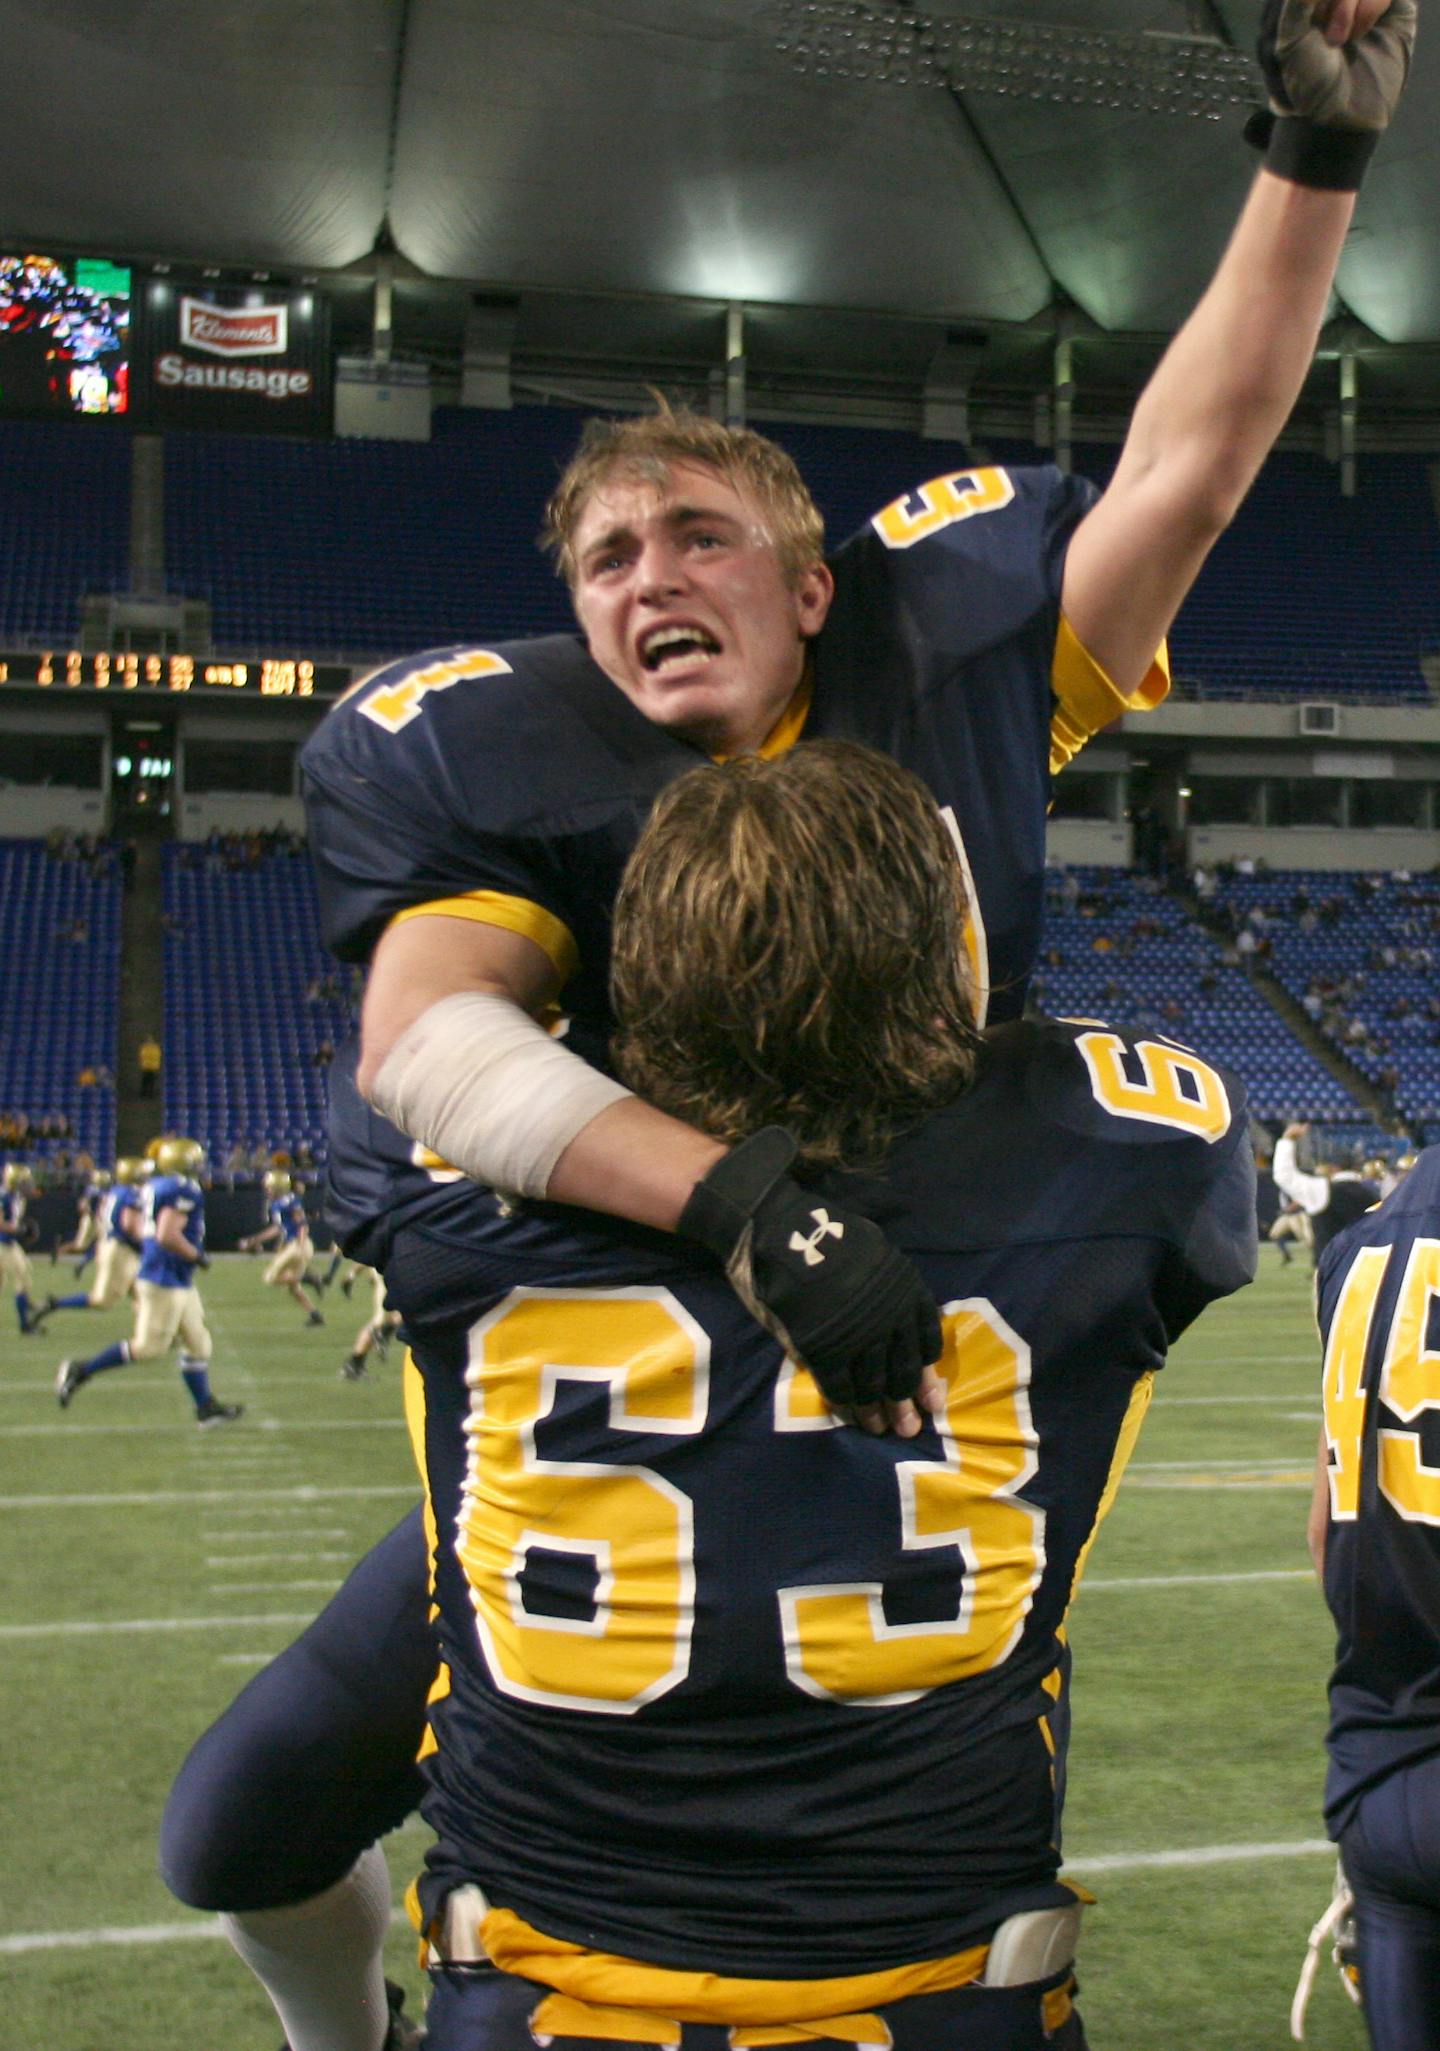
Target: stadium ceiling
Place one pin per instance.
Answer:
(872, 183)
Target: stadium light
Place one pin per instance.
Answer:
(1157, 71)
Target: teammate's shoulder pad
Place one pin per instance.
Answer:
(1126, 1088)
(961, 506)
(394, 695)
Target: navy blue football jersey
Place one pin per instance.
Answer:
(735, 1687)
(509, 783)
(1378, 1298)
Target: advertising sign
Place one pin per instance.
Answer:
(233, 357)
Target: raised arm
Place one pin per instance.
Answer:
(1226, 385)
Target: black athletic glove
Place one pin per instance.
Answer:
(1329, 102)
(823, 1279)
(202, 1259)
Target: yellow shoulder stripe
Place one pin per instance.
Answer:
(791, 723)
(1087, 700)
(514, 914)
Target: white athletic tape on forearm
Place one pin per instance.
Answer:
(475, 1079)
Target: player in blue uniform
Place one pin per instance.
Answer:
(288, 1231)
(87, 1234)
(1375, 1534)
(711, 626)
(120, 1225)
(16, 1274)
(168, 1307)
(665, 1576)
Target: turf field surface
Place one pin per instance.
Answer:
(147, 1569)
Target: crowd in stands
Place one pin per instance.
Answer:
(100, 858)
(243, 1164)
(1357, 952)
(227, 854)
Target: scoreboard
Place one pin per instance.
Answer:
(263, 676)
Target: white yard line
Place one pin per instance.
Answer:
(1201, 1855)
(1200, 1580)
(132, 1625)
(306, 1494)
(289, 1533)
(234, 1450)
(267, 1587)
(1226, 1402)
(1292, 1477)
(278, 1559)
(135, 1625)
(1105, 1862)
(1251, 1466)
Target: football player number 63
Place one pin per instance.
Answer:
(635, 1529)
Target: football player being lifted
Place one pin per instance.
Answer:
(471, 811)
(168, 1310)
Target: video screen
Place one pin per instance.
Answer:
(64, 336)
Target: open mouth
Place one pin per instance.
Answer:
(669, 646)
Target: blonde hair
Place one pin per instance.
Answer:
(789, 949)
(647, 446)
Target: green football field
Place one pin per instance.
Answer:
(147, 1569)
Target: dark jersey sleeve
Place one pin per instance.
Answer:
(1220, 1253)
(956, 587)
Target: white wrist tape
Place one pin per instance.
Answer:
(491, 1092)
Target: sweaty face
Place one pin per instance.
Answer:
(685, 605)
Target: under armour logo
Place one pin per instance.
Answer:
(825, 1228)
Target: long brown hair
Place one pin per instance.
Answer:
(789, 949)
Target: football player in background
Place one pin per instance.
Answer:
(167, 1302)
(16, 1274)
(471, 809)
(121, 1227)
(289, 1232)
(87, 1231)
(665, 1577)
(1330, 1197)
(375, 1333)
(1289, 1222)
(1374, 1534)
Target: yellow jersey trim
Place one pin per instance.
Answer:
(1125, 1439)
(791, 723)
(513, 914)
(1087, 700)
(413, 1388)
(604, 1980)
